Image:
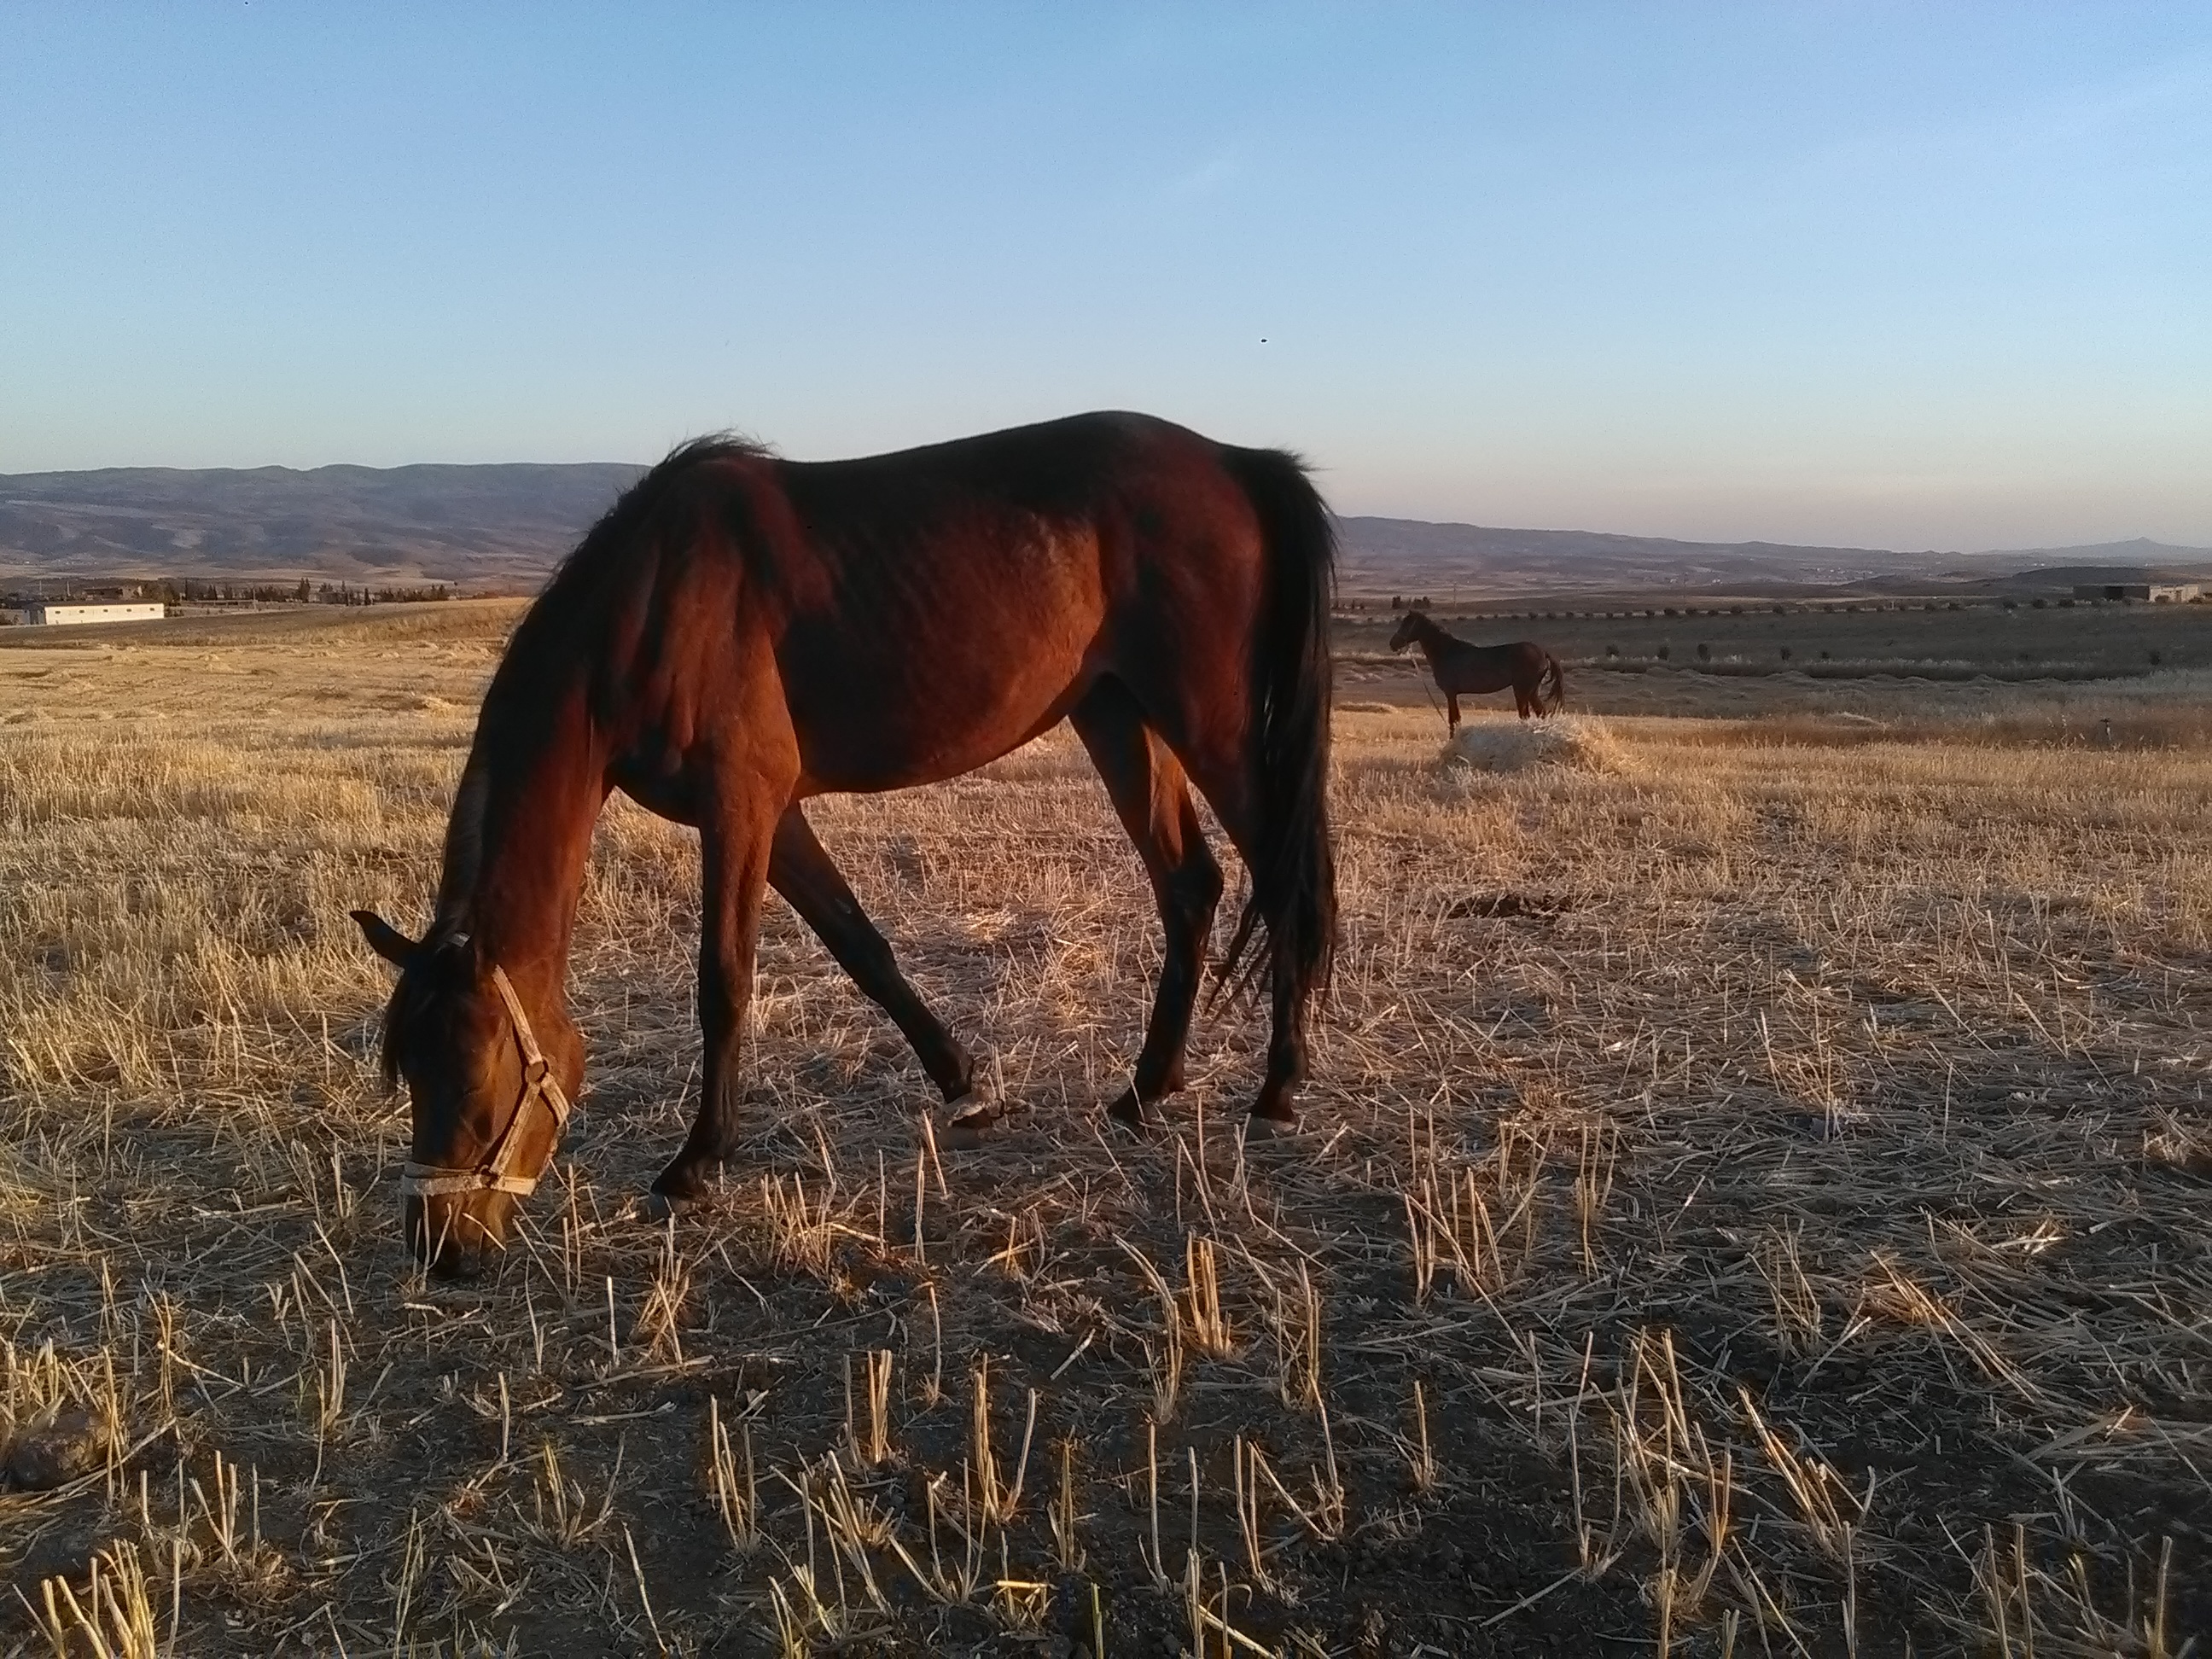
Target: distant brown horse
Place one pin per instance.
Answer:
(740, 632)
(1458, 666)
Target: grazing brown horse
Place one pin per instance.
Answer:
(741, 632)
(1458, 666)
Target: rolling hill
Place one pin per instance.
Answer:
(501, 528)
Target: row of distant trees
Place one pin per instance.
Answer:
(193, 591)
(303, 591)
(344, 593)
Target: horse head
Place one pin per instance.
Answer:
(1410, 628)
(487, 1104)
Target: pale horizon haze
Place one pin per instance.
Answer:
(1900, 276)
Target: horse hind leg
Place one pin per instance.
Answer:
(1226, 780)
(1150, 797)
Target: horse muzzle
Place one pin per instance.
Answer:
(453, 1235)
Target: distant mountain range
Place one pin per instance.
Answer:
(483, 527)
(501, 528)
(1409, 555)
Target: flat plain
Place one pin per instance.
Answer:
(1751, 1199)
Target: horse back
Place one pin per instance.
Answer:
(1479, 668)
(926, 611)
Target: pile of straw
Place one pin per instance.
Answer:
(1578, 742)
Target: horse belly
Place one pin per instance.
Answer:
(946, 675)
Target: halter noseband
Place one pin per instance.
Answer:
(492, 1176)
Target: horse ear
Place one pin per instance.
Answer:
(388, 941)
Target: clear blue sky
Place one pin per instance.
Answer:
(1914, 275)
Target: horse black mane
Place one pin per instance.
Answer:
(535, 652)
(518, 688)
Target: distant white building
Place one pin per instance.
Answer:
(2145, 592)
(56, 615)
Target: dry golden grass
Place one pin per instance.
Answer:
(1752, 1201)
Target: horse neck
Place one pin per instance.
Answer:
(519, 835)
(1433, 640)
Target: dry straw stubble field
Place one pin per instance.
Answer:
(1753, 1201)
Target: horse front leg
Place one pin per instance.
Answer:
(736, 844)
(802, 871)
(1451, 699)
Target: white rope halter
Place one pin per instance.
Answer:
(493, 1175)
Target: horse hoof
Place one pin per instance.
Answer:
(969, 1118)
(679, 1188)
(1133, 1116)
(1258, 1128)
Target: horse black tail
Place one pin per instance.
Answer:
(1292, 866)
(1557, 694)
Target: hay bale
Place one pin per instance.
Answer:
(1572, 742)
